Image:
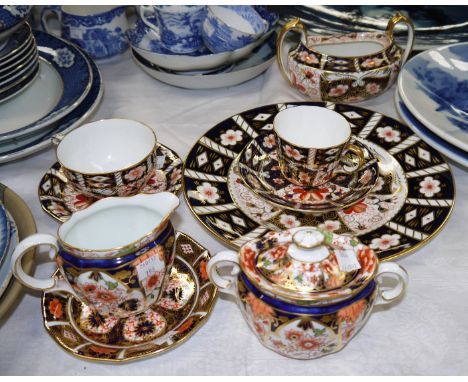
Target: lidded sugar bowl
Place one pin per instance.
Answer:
(343, 68)
(306, 292)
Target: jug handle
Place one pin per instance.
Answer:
(292, 24)
(226, 284)
(398, 18)
(396, 272)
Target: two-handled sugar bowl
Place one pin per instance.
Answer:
(305, 292)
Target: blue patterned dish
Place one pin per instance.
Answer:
(5, 265)
(434, 87)
(17, 44)
(11, 16)
(427, 135)
(4, 233)
(230, 27)
(76, 75)
(37, 141)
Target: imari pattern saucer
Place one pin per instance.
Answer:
(260, 171)
(410, 202)
(184, 307)
(60, 199)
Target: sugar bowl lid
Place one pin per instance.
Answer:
(308, 266)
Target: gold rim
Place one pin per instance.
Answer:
(230, 244)
(33, 65)
(20, 69)
(152, 151)
(9, 65)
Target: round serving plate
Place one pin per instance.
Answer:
(26, 226)
(72, 81)
(410, 203)
(450, 151)
(184, 307)
(39, 140)
(434, 87)
(259, 61)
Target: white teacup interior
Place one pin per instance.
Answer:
(106, 146)
(87, 10)
(312, 127)
(232, 19)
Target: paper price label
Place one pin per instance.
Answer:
(347, 260)
(150, 273)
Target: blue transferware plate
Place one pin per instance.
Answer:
(75, 72)
(15, 45)
(449, 150)
(11, 17)
(434, 87)
(5, 266)
(35, 142)
(4, 233)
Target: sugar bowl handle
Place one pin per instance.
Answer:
(47, 11)
(395, 271)
(293, 24)
(399, 18)
(226, 284)
(22, 248)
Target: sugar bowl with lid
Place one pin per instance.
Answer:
(306, 292)
(344, 68)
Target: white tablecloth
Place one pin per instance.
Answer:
(426, 333)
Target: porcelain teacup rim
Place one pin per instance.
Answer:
(112, 202)
(180, 8)
(342, 141)
(128, 166)
(108, 8)
(259, 33)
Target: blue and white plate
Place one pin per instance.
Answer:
(456, 154)
(259, 61)
(37, 141)
(434, 87)
(73, 79)
(11, 17)
(5, 267)
(16, 44)
(4, 233)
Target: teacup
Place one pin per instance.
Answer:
(311, 142)
(178, 26)
(230, 27)
(115, 256)
(98, 29)
(110, 157)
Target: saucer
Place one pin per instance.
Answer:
(410, 203)
(259, 61)
(60, 199)
(260, 171)
(184, 307)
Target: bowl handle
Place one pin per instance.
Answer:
(387, 295)
(292, 24)
(226, 284)
(398, 18)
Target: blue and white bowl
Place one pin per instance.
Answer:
(230, 27)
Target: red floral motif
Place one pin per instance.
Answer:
(259, 309)
(297, 84)
(339, 90)
(259, 328)
(248, 259)
(106, 296)
(153, 281)
(352, 312)
(293, 335)
(309, 343)
(203, 271)
(56, 308)
(82, 201)
(357, 208)
(279, 252)
(306, 195)
(88, 288)
(366, 258)
(103, 350)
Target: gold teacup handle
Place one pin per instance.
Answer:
(359, 152)
(293, 24)
(399, 18)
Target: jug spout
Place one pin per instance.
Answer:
(163, 203)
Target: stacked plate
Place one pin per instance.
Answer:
(19, 62)
(203, 69)
(432, 98)
(66, 89)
